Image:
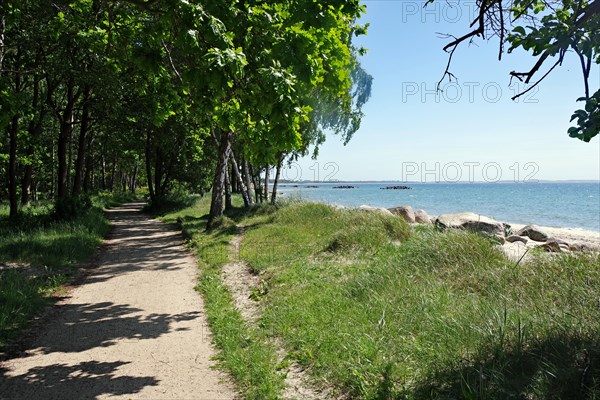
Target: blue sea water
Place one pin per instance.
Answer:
(560, 204)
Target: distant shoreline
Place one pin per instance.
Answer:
(284, 182)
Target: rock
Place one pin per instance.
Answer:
(555, 245)
(406, 212)
(515, 238)
(381, 210)
(533, 232)
(421, 217)
(344, 187)
(516, 251)
(508, 231)
(498, 239)
(579, 247)
(400, 187)
(471, 222)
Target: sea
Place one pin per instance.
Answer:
(556, 204)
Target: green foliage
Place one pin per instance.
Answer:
(588, 119)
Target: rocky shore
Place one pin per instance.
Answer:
(516, 240)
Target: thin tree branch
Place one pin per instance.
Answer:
(171, 61)
(540, 80)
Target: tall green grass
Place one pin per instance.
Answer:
(379, 310)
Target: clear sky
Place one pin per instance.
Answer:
(471, 131)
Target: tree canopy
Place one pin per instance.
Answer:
(105, 94)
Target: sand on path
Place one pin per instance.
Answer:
(134, 329)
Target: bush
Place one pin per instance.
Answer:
(72, 206)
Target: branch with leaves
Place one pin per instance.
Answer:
(549, 29)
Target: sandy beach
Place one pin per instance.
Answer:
(577, 237)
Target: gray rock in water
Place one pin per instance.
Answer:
(422, 217)
(515, 238)
(533, 232)
(406, 212)
(471, 222)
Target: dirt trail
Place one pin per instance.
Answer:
(134, 329)
(241, 282)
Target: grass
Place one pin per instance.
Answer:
(47, 250)
(379, 310)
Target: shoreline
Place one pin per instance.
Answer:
(572, 237)
(570, 230)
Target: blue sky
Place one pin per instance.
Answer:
(471, 131)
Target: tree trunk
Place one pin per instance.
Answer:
(276, 181)
(158, 173)
(66, 127)
(149, 167)
(256, 180)
(27, 179)
(266, 183)
(133, 179)
(81, 150)
(249, 184)
(34, 130)
(12, 151)
(228, 203)
(12, 168)
(234, 181)
(53, 178)
(240, 181)
(88, 180)
(113, 171)
(2, 30)
(103, 172)
(216, 205)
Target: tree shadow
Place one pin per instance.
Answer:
(560, 367)
(82, 327)
(86, 380)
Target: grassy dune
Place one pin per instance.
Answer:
(380, 310)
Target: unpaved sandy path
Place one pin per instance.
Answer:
(134, 329)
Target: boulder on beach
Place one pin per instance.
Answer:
(471, 222)
(421, 217)
(406, 212)
(381, 210)
(516, 238)
(533, 232)
(555, 245)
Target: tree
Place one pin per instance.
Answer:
(549, 29)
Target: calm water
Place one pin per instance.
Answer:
(575, 205)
